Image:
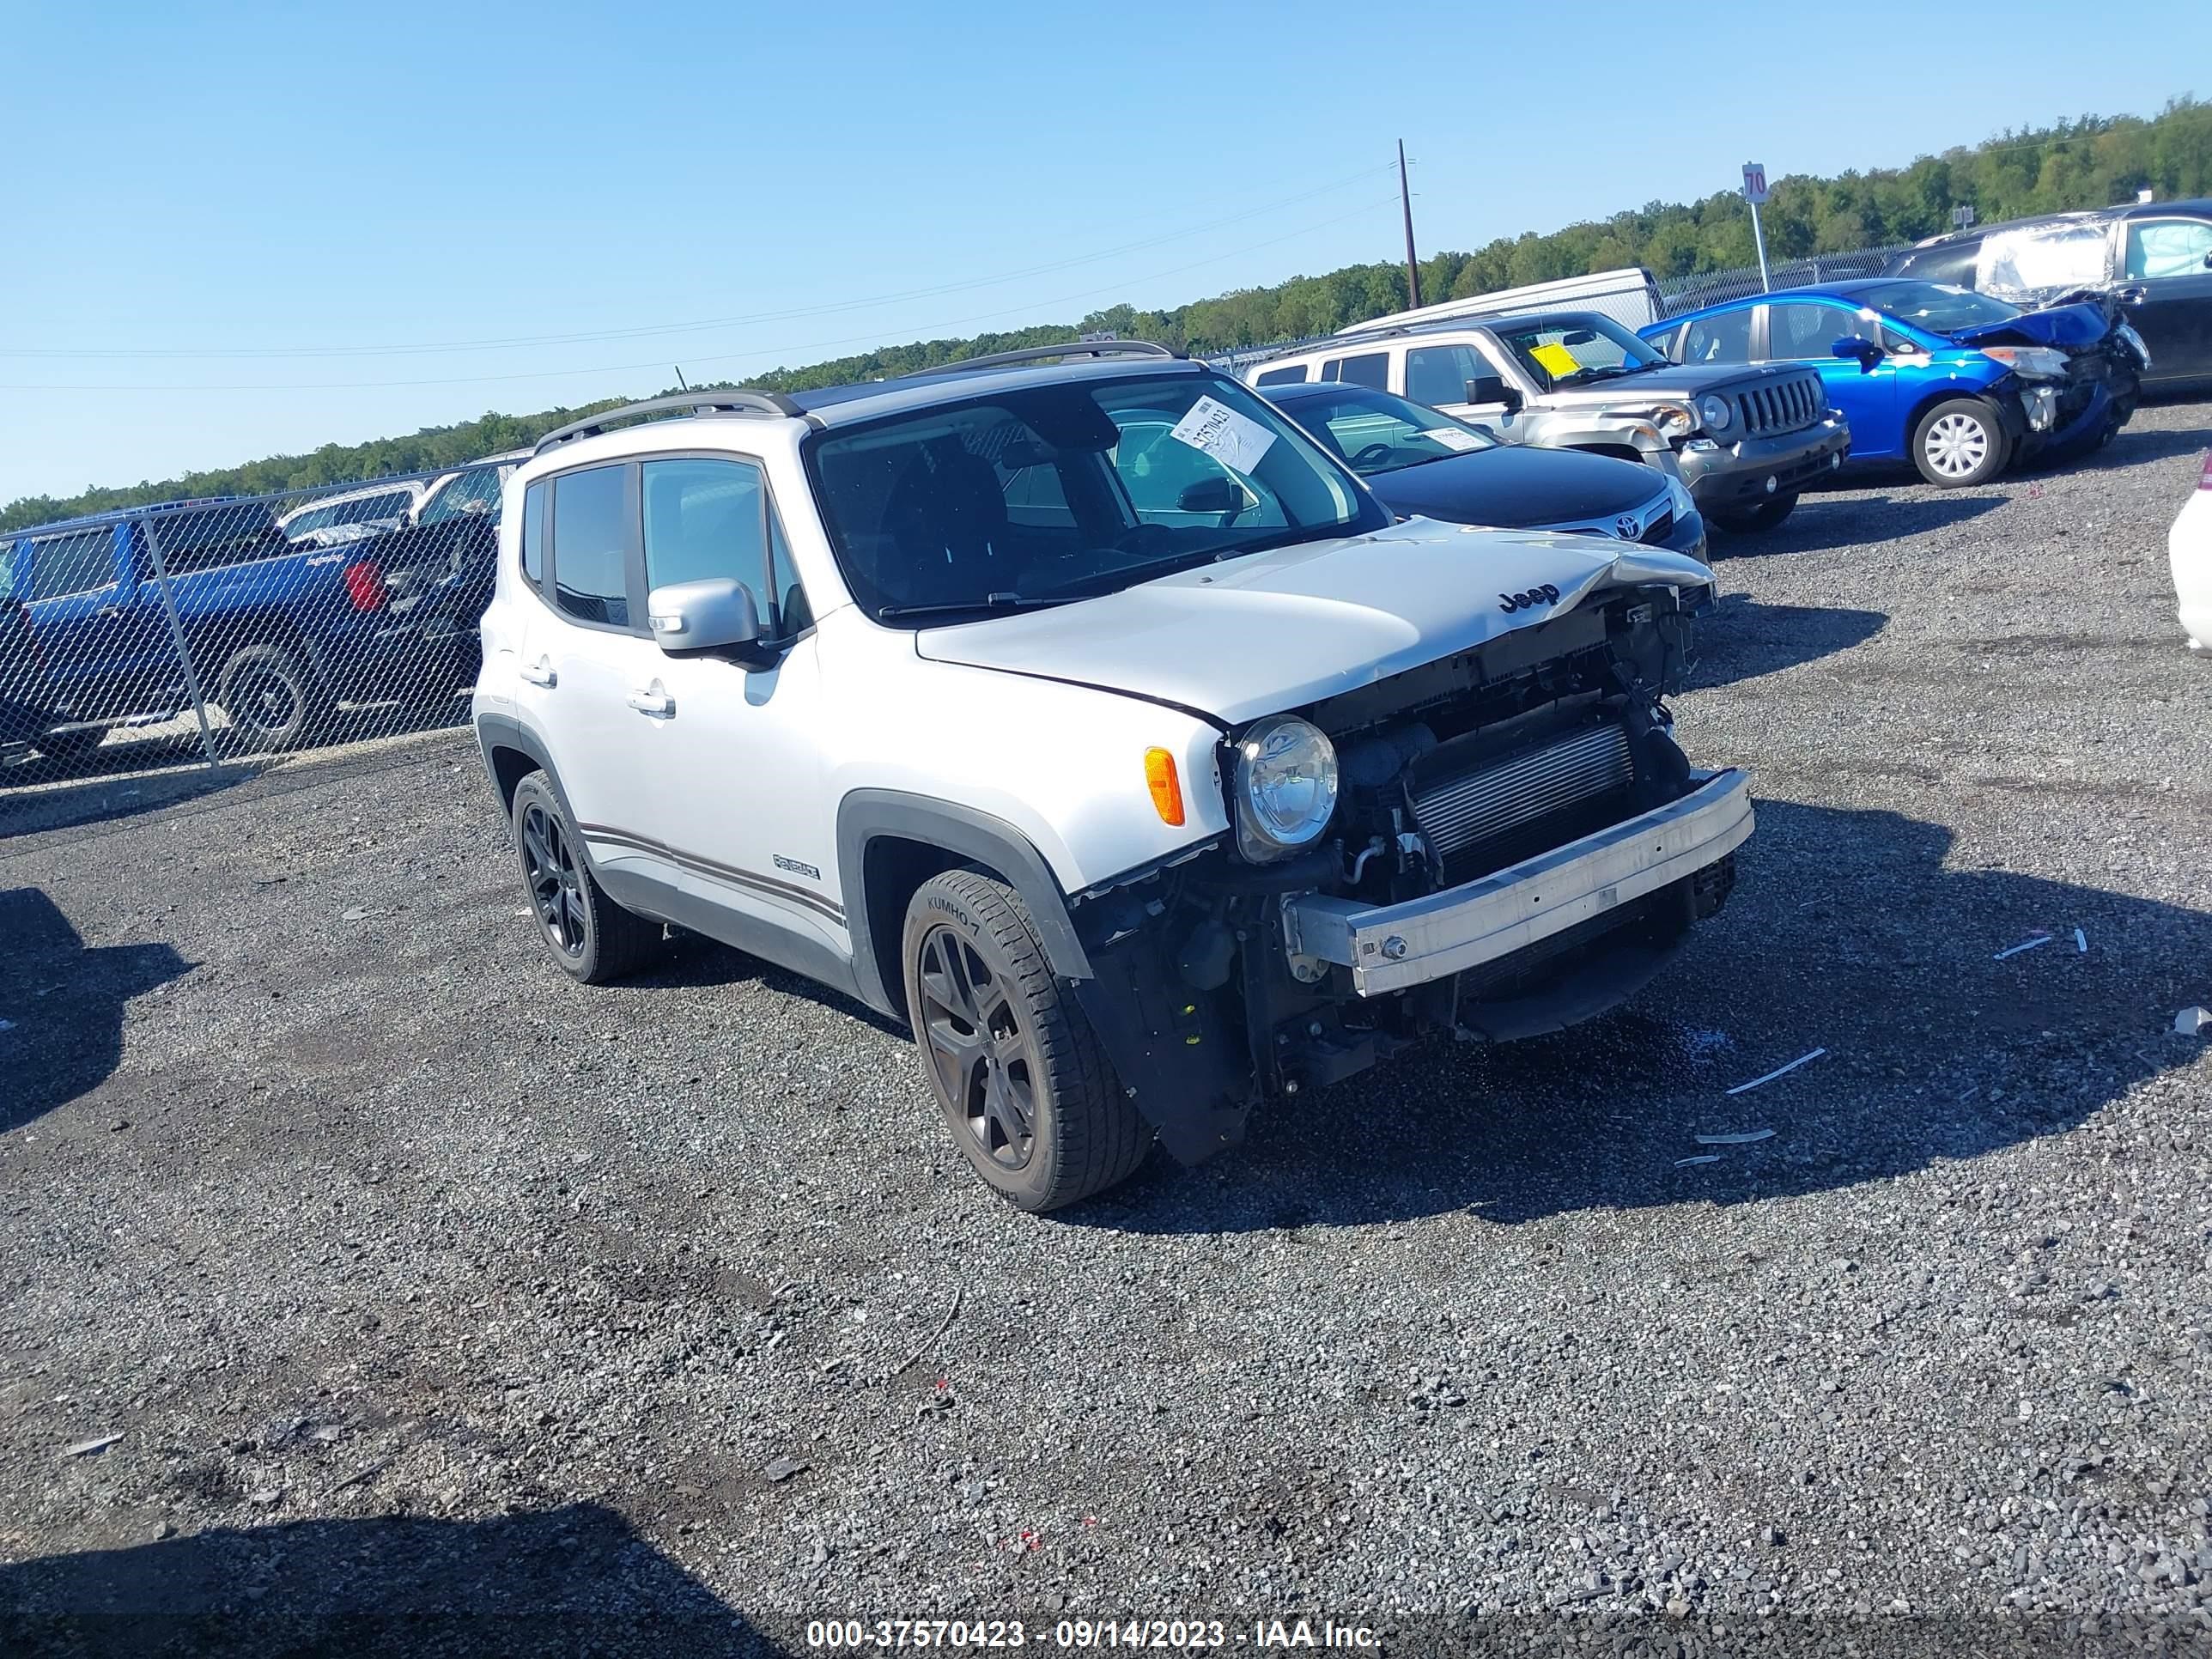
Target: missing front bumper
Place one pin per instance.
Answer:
(1392, 947)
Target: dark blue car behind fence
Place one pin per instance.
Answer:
(213, 621)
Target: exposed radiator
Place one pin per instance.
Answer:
(1477, 806)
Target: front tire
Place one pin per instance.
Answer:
(273, 702)
(1746, 521)
(1012, 1063)
(591, 939)
(1959, 443)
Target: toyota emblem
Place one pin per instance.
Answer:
(1626, 528)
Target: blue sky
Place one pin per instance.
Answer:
(246, 181)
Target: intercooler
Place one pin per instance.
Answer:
(1504, 809)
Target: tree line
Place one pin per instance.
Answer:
(2089, 162)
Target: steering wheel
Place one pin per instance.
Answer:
(1373, 454)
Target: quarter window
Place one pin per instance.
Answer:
(1282, 377)
(591, 546)
(2169, 248)
(1369, 369)
(533, 534)
(72, 564)
(1723, 338)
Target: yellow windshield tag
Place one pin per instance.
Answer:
(1558, 361)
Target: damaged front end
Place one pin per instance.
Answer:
(1516, 844)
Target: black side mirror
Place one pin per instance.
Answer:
(1867, 353)
(1493, 389)
(1211, 495)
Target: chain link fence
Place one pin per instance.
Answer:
(221, 634)
(1679, 294)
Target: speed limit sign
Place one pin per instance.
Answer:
(1754, 183)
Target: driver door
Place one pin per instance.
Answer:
(1806, 332)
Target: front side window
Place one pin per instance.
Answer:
(1935, 306)
(1723, 338)
(1439, 374)
(1575, 350)
(1373, 432)
(1369, 368)
(707, 518)
(591, 546)
(1805, 330)
(533, 534)
(2169, 247)
(72, 564)
(949, 509)
(476, 491)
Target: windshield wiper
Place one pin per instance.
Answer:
(989, 604)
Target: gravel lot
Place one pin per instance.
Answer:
(417, 1282)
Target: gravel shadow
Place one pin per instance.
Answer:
(1822, 523)
(575, 1580)
(65, 1003)
(1744, 639)
(1876, 952)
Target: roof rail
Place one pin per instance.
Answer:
(699, 403)
(1046, 352)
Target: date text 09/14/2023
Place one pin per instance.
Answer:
(1165, 1634)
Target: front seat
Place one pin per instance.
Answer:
(948, 516)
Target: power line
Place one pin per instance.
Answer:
(757, 351)
(698, 325)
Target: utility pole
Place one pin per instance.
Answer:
(1405, 202)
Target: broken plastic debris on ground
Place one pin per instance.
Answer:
(2193, 1021)
(1743, 1139)
(1779, 1071)
(2025, 944)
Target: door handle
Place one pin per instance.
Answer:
(109, 611)
(654, 702)
(539, 672)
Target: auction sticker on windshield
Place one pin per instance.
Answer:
(1235, 441)
(1452, 438)
(1556, 360)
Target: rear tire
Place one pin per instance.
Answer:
(1746, 521)
(1012, 1062)
(591, 938)
(274, 702)
(1959, 443)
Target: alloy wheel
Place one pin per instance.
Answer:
(978, 1052)
(1956, 446)
(556, 885)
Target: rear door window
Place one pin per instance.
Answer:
(591, 545)
(1371, 369)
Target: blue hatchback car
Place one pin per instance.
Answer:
(1958, 383)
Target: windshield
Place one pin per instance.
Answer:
(362, 509)
(1936, 307)
(1561, 351)
(1373, 432)
(1043, 494)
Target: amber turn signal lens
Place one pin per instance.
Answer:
(1167, 787)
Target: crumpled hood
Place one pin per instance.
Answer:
(1277, 630)
(2070, 327)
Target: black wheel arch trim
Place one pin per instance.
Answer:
(867, 815)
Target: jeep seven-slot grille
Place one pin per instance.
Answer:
(1517, 807)
(1785, 404)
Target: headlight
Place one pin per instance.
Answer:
(1713, 410)
(2030, 362)
(1285, 787)
(1673, 421)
